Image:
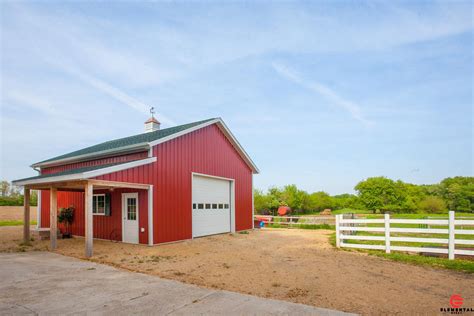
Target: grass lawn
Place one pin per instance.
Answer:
(416, 259)
(14, 223)
(420, 215)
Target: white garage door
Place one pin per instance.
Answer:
(211, 206)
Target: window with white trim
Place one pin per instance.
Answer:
(98, 204)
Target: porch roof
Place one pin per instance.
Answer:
(82, 173)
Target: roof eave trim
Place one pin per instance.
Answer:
(98, 154)
(226, 131)
(87, 174)
(238, 146)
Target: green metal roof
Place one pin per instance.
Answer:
(127, 141)
(69, 172)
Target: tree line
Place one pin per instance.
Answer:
(12, 195)
(375, 194)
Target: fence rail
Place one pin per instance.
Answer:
(295, 220)
(345, 233)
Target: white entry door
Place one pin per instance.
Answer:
(211, 206)
(130, 218)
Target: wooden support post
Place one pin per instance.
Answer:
(88, 219)
(53, 217)
(26, 218)
(387, 233)
(452, 236)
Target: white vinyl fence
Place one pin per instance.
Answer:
(346, 227)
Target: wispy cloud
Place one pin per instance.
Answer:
(115, 93)
(348, 105)
(82, 56)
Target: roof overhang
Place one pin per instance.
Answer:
(223, 127)
(82, 175)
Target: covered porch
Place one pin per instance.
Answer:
(88, 187)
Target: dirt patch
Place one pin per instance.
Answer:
(294, 265)
(15, 213)
(11, 240)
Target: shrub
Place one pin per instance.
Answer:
(66, 216)
(433, 204)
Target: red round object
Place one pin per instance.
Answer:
(284, 210)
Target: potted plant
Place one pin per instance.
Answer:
(66, 216)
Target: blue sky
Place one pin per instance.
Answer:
(320, 94)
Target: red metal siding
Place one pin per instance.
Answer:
(204, 151)
(105, 227)
(45, 206)
(96, 162)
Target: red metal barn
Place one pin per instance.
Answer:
(163, 185)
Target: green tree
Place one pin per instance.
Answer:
(319, 201)
(4, 188)
(293, 197)
(381, 193)
(458, 192)
(432, 204)
(260, 202)
(346, 200)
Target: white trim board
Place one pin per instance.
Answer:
(88, 174)
(150, 215)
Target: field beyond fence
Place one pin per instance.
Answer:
(305, 222)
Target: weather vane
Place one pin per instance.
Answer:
(152, 111)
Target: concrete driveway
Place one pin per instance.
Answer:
(47, 283)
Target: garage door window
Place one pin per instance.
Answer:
(210, 206)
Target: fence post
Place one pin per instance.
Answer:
(451, 235)
(338, 237)
(387, 233)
